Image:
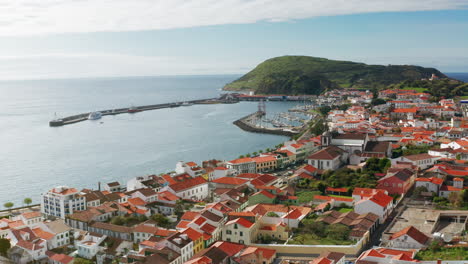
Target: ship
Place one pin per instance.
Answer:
(94, 116)
(133, 109)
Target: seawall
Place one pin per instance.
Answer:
(245, 125)
(84, 116)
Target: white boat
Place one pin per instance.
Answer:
(186, 104)
(95, 116)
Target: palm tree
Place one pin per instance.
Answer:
(288, 205)
(27, 201)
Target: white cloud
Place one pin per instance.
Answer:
(58, 65)
(31, 17)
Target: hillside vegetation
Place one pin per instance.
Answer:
(442, 88)
(311, 75)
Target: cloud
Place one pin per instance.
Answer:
(58, 65)
(32, 17)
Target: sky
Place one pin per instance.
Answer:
(41, 39)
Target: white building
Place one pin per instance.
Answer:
(408, 238)
(90, 245)
(422, 161)
(379, 204)
(242, 165)
(193, 188)
(432, 184)
(191, 168)
(330, 158)
(181, 244)
(62, 201)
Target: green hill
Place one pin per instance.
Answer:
(311, 75)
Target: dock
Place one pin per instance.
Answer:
(84, 116)
(245, 123)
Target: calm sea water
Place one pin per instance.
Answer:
(35, 157)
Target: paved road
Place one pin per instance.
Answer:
(19, 211)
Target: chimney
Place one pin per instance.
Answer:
(99, 186)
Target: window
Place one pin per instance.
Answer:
(228, 232)
(235, 226)
(241, 233)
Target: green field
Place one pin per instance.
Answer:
(306, 196)
(310, 239)
(417, 89)
(345, 210)
(340, 196)
(459, 253)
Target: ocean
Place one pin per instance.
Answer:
(35, 157)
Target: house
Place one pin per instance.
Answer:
(409, 237)
(432, 184)
(219, 172)
(197, 239)
(274, 231)
(262, 197)
(396, 181)
(348, 142)
(90, 245)
(229, 182)
(240, 230)
(29, 218)
(61, 233)
(191, 168)
(279, 213)
(359, 224)
(192, 189)
(26, 245)
(113, 187)
(265, 163)
(180, 243)
(115, 231)
(457, 186)
(372, 149)
(329, 158)
(62, 201)
(329, 258)
(379, 204)
(422, 161)
(257, 255)
(386, 256)
(363, 193)
(242, 165)
(55, 258)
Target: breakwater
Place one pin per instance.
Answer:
(84, 116)
(245, 123)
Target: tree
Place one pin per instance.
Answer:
(241, 157)
(378, 101)
(9, 205)
(254, 153)
(4, 246)
(321, 187)
(455, 199)
(118, 220)
(161, 220)
(82, 261)
(338, 232)
(418, 190)
(179, 208)
(27, 201)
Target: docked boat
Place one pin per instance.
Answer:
(133, 109)
(186, 104)
(94, 116)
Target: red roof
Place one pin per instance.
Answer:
(230, 180)
(265, 253)
(310, 168)
(207, 228)
(228, 247)
(413, 233)
(242, 160)
(405, 110)
(321, 260)
(331, 189)
(265, 193)
(187, 184)
(193, 234)
(264, 159)
(189, 215)
(241, 221)
(381, 199)
(329, 198)
(434, 180)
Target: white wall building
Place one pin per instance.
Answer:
(62, 201)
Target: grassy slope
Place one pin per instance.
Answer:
(279, 72)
